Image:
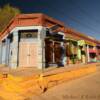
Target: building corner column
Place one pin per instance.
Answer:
(14, 59)
(41, 50)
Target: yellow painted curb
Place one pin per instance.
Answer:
(55, 79)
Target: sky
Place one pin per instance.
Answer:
(81, 15)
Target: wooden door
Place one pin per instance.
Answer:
(23, 54)
(28, 54)
(33, 51)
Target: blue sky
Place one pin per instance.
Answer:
(82, 15)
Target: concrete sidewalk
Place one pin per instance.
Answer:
(28, 71)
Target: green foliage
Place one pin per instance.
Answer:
(6, 14)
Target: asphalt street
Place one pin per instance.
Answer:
(84, 88)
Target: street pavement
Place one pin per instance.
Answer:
(84, 88)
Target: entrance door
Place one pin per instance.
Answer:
(52, 53)
(33, 51)
(48, 52)
(28, 54)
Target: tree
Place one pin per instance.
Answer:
(6, 14)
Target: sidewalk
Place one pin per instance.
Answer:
(25, 82)
(28, 71)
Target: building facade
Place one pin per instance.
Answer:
(35, 40)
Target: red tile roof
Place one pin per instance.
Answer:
(42, 20)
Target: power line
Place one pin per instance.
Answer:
(74, 19)
(85, 12)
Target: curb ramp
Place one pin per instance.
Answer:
(20, 88)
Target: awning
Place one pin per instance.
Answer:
(92, 51)
(90, 43)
